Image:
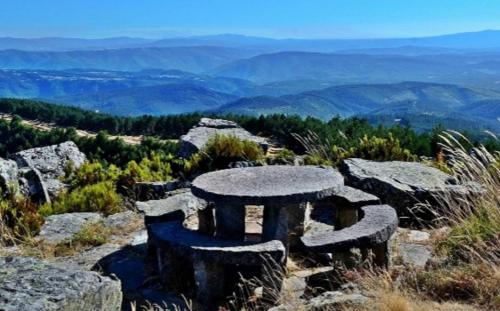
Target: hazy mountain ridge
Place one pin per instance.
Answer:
(193, 59)
(363, 68)
(409, 98)
(488, 39)
(151, 100)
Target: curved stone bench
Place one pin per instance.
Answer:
(373, 231)
(188, 259)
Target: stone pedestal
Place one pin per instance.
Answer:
(230, 222)
(345, 217)
(381, 255)
(175, 272)
(285, 223)
(275, 224)
(206, 220)
(210, 281)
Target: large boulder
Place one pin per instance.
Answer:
(198, 136)
(403, 184)
(9, 175)
(32, 284)
(41, 168)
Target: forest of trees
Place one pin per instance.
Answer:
(338, 131)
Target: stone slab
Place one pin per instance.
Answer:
(63, 226)
(178, 206)
(276, 184)
(403, 184)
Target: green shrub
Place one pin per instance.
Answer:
(381, 149)
(221, 150)
(369, 148)
(100, 197)
(91, 173)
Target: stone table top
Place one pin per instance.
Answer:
(268, 185)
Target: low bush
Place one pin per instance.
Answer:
(19, 218)
(369, 148)
(100, 197)
(220, 151)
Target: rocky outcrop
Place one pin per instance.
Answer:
(403, 184)
(207, 128)
(63, 226)
(31, 284)
(41, 168)
(9, 175)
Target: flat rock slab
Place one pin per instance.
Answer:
(276, 184)
(31, 284)
(402, 184)
(198, 136)
(354, 198)
(377, 226)
(165, 209)
(217, 123)
(185, 242)
(63, 226)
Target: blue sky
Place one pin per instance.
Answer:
(272, 18)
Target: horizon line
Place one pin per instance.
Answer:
(244, 35)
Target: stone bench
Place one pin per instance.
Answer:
(373, 231)
(188, 259)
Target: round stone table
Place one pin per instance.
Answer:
(284, 191)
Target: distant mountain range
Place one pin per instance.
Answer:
(194, 59)
(488, 39)
(349, 100)
(457, 77)
(469, 68)
(152, 100)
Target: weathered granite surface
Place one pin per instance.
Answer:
(31, 284)
(402, 184)
(9, 175)
(414, 254)
(217, 123)
(42, 168)
(276, 184)
(63, 226)
(377, 226)
(198, 136)
(163, 210)
(334, 300)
